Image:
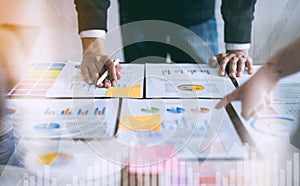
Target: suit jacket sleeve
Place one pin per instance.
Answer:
(92, 14)
(238, 17)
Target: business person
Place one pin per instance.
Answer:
(198, 16)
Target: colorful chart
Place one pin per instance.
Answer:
(191, 87)
(201, 110)
(273, 125)
(195, 71)
(38, 80)
(80, 111)
(183, 71)
(176, 110)
(150, 110)
(47, 126)
(55, 159)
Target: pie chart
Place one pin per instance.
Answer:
(273, 125)
(191, 87)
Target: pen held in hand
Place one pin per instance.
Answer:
(105, 74)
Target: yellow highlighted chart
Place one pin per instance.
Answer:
(147, 122)
(130, 91)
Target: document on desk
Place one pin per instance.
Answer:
(279, 119)
(64, 79)
(286, 95)
(67, 161)
(39, 79)
(185, 81)
(184, 123)
(68, 118)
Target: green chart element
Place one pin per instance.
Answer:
(150, 110)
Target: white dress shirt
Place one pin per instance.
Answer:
(102, 34)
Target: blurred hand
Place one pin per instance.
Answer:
(235, 60)
(95, 62)
(255, 94)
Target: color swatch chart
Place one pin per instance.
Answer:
(65, 118)
(38, 81)
(185, 81)
(188, 122)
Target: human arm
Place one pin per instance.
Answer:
(238, 17)
(256, 93)
(95, 62)
(92, 21)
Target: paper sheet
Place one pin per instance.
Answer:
(276, 121)
(71, 161)
(185, 123)
(285, 105)
(281, 117)
(185, 80)
(64, 79)
(286, 93)
(39, 79)
(76, 118)
(271, 131)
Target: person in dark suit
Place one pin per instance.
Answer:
(195, 15)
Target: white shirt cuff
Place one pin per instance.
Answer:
(93, 33)
(234, 46)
